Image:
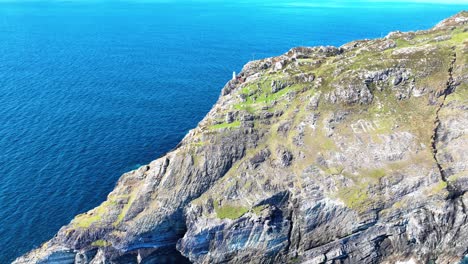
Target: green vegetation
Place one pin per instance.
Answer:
(438, 188)
(259, 94)
(294, 260)
(334, 170)
(258, 209)
(85, 220)
(95, 216)
(317, 141)
(234, 124)
(376, 174)
(399, 204)
(100, 243)
(268, 97)
(229, 211)
(401, 43)
(356, 197)
(245, 107)
(460, 94)
(456, 177)
(125, 209)
(98, 214)
(458, 37)
(198, 143)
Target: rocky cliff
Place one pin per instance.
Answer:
(356, 154)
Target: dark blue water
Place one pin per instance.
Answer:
(89, 90)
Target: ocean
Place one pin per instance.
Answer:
(92, 89)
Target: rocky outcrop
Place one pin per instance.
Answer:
(356, 154)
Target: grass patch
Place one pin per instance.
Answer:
(456, 177)
(245, 107)
(100, 243)
(401, 43)
(334, 170)
(459, 38)
(460, 95)
(376, 174)
(258, 209)
(317, 141)
(85, 220)
(234, 124)
(125, 209)
(229, 211)
(95, 216)
(438, 188)
(259, 94)
(198, 144)
(356, 197)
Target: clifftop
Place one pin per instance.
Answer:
(351, 154)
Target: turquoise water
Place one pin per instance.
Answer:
(89, 90)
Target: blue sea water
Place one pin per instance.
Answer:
(92, 89)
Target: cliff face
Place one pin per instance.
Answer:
(355, 154)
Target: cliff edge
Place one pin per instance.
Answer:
(356, 154)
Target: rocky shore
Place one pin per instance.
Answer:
(351, 154)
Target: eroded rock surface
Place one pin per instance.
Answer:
(356, 154)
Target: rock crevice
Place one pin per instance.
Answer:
(451, 85)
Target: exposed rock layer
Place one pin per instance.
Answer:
(355, 154)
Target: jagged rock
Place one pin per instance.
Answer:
(285, 157)
(361, 160)
(279, 65)
(397, 80)
(278, 85)
(260, 157)
(351, 92)
(314, 102)
(284, 128)
(315, 52)
(229, 117)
